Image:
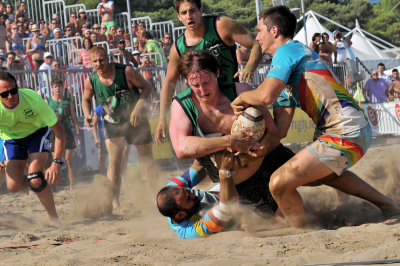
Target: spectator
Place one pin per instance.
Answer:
(242, 54)
(28, 28)
(96, 28)
(142, 43)
(111, 39)
(381, 69)
(394, 89)
(20, 18)
(120, 33)
(10, 11)
(57, 34)
(87, 33)
(21, 11)
(136, 56)
(54, 24)
(141, 26)
(73, 23)
(84, 53)
(149, 76)
(122, 55)
(3, 18)
(55, 65)
(93, 37)
(14, 62)
(102, 35)
(326, 49)
(376, 89)
(167, 44)
(152, 46)
(14, 43)
(21, 30)
(106, 12)
(3, 36)
(82, 20)
(36, 47)
(136, 44)
(134, 30)
(341, 44)
(43, 78)
(42, 24)
(316, 38)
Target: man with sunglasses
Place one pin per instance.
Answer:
(25, 123)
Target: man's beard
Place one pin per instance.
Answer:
(190, 212)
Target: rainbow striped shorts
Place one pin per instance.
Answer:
(340, 152)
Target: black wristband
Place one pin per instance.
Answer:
(59, 161)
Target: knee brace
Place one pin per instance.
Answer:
(39, 175)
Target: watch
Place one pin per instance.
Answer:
(59, 161)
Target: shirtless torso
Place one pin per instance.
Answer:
(394, 90)
(326, 51)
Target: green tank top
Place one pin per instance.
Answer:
(118, 100)
(62, 110)
(211, 41)
(185, 100)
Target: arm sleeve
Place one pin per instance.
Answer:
(203, 227)
(188, 179)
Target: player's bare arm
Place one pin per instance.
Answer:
(87, 102)
(167, 92)
(231, 32)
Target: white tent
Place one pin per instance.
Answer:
(312, 26)
(363, 48)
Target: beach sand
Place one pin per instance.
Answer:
(136, 234)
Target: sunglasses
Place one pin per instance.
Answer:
(5, 94)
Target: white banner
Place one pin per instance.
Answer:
(383, 117)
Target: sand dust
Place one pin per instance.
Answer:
(347, 230)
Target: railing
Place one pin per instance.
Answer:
(160, 28)
(54, 7)
(146, 21)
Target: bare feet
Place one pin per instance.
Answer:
(54, 221)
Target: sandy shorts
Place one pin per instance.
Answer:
(340, 152)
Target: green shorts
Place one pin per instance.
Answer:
(109, 24)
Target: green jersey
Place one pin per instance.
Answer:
(185, 100)
(118, 100)
(63, 110)
(211, 41)
(31, 114)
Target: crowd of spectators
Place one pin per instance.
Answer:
(25, 41)
(381, 87)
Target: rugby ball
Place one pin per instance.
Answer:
(251, 119)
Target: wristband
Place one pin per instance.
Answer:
(225, 174)
(59, 161)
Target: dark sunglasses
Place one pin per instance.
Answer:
(5, 94)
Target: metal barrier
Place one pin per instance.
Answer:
(92, 16)
(146, 20)
(122, 20)
(54, 7)
(160, 28)
(59, 49)
(178, 31)
(69, 9)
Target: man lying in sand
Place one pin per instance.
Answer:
(196, 213)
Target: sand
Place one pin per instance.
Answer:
(135, 234)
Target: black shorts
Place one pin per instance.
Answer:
(69, 140)
(138, 135)
(255, 190)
